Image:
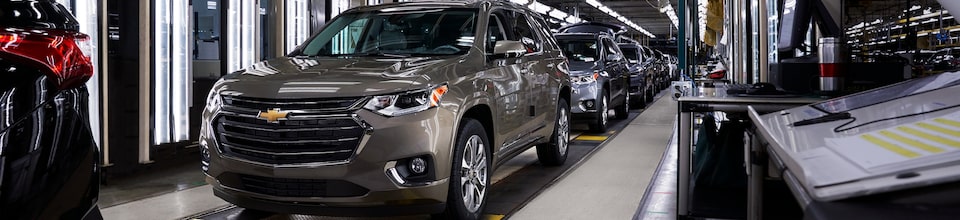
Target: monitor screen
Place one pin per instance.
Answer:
(794, 24)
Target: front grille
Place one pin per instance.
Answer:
(322, 104)
(300, 139)
(300, 187)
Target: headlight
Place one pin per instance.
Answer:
(407, 102)
(213, 100)
(585, 79)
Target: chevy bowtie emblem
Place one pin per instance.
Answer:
(273, 115)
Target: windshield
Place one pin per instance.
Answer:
(631, 54)
(404, 33)
(580, 50)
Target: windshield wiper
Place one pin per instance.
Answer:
(392, 55)
(371, 53)
(379, 52)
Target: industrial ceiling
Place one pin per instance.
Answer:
(645, 13)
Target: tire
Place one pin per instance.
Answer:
(555, 152)
(600, 124)
(649, 95)
(471, 157)
(623, 110)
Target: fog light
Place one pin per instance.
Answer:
(418, 165)
(589, 103)
(204, 156)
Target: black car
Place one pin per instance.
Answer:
(641, 83)
(599, 76)
(48, 157)
(662, 74)
(651, 66)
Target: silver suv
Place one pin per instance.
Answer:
(600, 77)
(395, 109)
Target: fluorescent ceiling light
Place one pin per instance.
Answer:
(539, 8)
(546, 10)
(520, 2)
(558, 14)
(596, 4)
(604, 9)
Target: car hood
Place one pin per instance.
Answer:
(634, 68)
(582, 68)
(292, 77)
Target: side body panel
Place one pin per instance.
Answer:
(48, 160)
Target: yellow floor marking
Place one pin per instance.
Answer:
(890, 146)
(591, 138)
(931, 137)
(574, 135)
(954, 133)
(948, 122)
(911, 142)
(492, 217)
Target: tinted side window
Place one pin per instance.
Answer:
(630, 53)
(524, 33)
(610, 47)
(545, 34)
(494, 33)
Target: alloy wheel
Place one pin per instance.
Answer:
(604, 112)
(473, 177)
(563, 131)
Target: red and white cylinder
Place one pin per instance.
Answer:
(831, 68)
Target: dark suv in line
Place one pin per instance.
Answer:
(49, 162)
(641, 83)
(599, 75)
(393, 109)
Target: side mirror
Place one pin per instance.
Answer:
(613, 57)
(509, 49)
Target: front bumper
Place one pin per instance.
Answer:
(637, 83)
(585, 98)
(384, 209)
(366, 182)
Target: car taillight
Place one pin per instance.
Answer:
(62, 55)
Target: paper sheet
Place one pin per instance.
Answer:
(901, 147)
(817, 161)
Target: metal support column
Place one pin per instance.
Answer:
(733, 65)
(145, 70)
(683, 181)
(684, 164)
(104, 51)
(279, 28)
(763, 20)
(682, 37)
(748, 46)
(756, 159)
